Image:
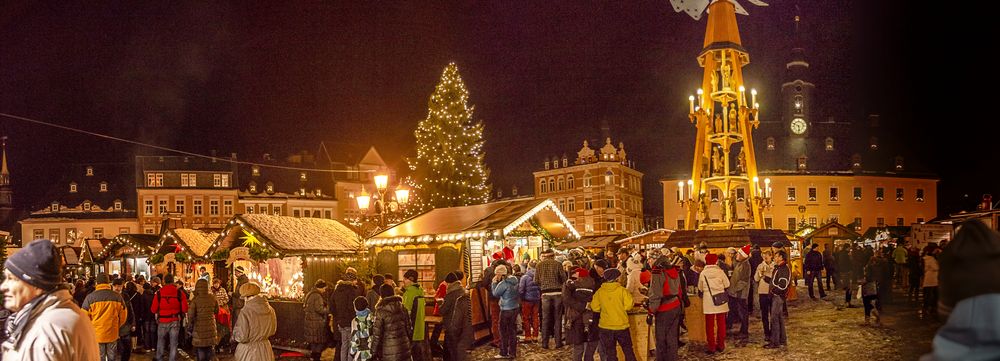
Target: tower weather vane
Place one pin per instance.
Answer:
(695, 8)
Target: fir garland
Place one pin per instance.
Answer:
(181, 257)
(156, 259)
(220, 255)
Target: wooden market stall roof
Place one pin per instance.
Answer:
(290, 235)
(195, 241)
(590, 242)
(890, 232)
(91, 248)
(833, 229)
(139, 243)
(70, 255)
(497, 218)
(721, 238)
(656, 236)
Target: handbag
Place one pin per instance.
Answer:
(719, 299)
(860, 288)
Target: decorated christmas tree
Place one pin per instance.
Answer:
(448, 170)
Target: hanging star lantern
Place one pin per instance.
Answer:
(250, 240)
(177, 248)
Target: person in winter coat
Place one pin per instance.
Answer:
(456, 314)
(582, 333)
(390, 334)
(713, 281)
(763, 289)
(361, 327)
(845, 270)
(201, 318)
(494, 303)
(505, 287)
(316, 313)
(531, 298)
(779, 280)
(970, 295)
(738, 292)
(755, 260)
(223, 320)
(930, 283)
(666, 303)
(257, 323)
(125, 333)
(343, 308)
(633, 279)
(550, 278)
(830, 265)
(372, 295)
(237, 299)
(813, 266)
(869, 290)
(169, 303)
(46, 323)
(413, 296)
(916, 272)
(150, 323)
(613, 302)
(108, 312)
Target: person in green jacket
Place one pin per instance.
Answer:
(613, 302)
(411, 292)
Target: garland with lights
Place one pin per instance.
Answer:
(448, 170)
(156, 259)
(220, 255)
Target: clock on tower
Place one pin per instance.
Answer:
(798, 126)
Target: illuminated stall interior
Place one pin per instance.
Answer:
(127, 254)
(182, 251)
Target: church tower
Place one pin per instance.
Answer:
(6, 191)
(797, 91)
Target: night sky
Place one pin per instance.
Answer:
(277, 78)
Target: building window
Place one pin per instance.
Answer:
(552, 184)
(569, 182)
(829, 143)
(97, 233)
(834, 194)
(812, 194)
(834, 218)
(740, 194)
(588, 204)
(609, 202)
(812, 221)
(562, 183)
(250, 209)
(118, 205)
(856, 161)
(879, 222)
(791, 194)
(302, 176)
(562, 205)
(38, 234)
(714, 194)
(54, 207)
(163, 206)
(270, 188)
(90, 172)
(546, 164)
(609, 177)
(123, 230)
(565, 162)
(103, 187)
(857, 193)
(899, 194)
(857, 222)
(302, 192)
(277, 210)
(227, 207)
(217, 180)
(255, 171)
(770, 143)
(253, 188)
(328, 214)
(879, 194)
(148, 207)
(791, 224)
(802, 163)
(542, 186)
(72, 187)
(899, 221)
(148, 230)
(197, 207)
(680, 224)
(768, 223)
(920, 220)
(213, 207)
(189, 179)
(154, 179)
(54, 235)
(873, 141)
(179, 206)
(586, 179)
(86, 206)
(295, 213)
(899, 163)
(920, 194)
(611, 224)
(571, 204)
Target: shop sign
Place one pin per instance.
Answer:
(238, 253)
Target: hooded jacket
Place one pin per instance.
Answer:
(613, 302)
(506, 291)
(169, 303)
(315, 311)
(55, 329)
(390, 335)
(576, 294)
(256, 324)
(107, 311)
(202, 312)
(414, 292)
(343, 302)
(456, 313)
(528, 288)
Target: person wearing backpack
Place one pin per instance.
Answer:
(361, 327)
(108, 313)
(168, 305)
(456, 313)
(531, 297)
(666, 296)
(582, 332)
(413, 300)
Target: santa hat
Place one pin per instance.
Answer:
(744, 251)
(711, 258)
(497, 255)
(581, 272)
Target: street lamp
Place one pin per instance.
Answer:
(383, 204)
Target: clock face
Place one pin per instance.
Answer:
(798, 126)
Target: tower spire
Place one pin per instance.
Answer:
(4, 172)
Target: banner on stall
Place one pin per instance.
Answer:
(238, 253)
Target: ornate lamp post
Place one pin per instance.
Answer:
(383, 203)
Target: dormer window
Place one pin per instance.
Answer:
(90, 171)
(255, 171)
(270, 188)
(302, 192)
(873, 141)
(253, 188)
(302, 176)
(118, 205)
(802, 163)
(565, 162)
(319, 192)
(856, 161)
(72, 187)
(899, 163)
(829, 143)
(104, 187)
(546, 165)
(54, 207)
(770, 143)
(86, 206)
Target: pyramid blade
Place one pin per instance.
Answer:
(758, 2)
(739, 8)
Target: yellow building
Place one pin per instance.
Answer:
(822, 170)
(198, 192)
(600, 192)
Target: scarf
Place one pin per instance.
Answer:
(17, 323)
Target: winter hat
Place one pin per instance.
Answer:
(601, 263)
(103, 279)
(249, 289)
(240, 269)
(612, 274)
(360, 303)
(450, 278)
(814, 246)
(156, 280)
(711, 258)
(497, 255)
(386, 291)
(777, 244)
(320, 283)
(970, 263)
(411, 275)
(501, 270)
(350, 276)
(581, 272)
(377, 280)
(744, 251)
(37, 264)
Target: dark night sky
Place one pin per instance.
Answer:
(255, 78)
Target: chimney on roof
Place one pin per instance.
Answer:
(232, 155)
(213, 155)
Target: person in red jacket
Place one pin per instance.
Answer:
(666, 291)
(168, 306)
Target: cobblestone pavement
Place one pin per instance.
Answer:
(817, 330)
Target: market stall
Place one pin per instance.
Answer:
(127, 253)
(181, 252)
(878, 237)
(286, 255)
(593, 244)
(443, 240)
(829, 236)
(71, 260)
(647, 240)
(89, 250)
